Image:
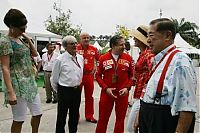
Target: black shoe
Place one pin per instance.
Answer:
(48, 101)
(54, 101)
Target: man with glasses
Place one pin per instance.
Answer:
(90, 53)
(66, 78)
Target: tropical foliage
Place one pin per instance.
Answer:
(61, 24)
(188, 31)
(123, 31)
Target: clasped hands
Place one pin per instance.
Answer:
(122, 92)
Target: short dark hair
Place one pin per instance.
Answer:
(49, 44)
(164, 24)
(114, 40)
(15, 18)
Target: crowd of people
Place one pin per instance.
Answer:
(163, 80)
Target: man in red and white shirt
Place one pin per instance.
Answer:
(90, 53)
(115, 77)
(47, 63)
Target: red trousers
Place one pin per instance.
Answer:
(106, 104)
(88, 83)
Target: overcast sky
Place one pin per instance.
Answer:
(101, 16)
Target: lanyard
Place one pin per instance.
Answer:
(115, 63)
(74, 59)
(49, 56)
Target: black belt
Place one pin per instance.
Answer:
(48, 71)
(71, 87)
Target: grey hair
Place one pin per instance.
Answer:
(68, 39)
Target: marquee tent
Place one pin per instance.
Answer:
(184, 46)
(34, 29)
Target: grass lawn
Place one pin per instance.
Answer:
(40, 82)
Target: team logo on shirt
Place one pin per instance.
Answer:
(123, 62)
(107, 62)
(91, 52)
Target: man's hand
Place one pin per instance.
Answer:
(109, 92)
(123, 92)
(184, 122)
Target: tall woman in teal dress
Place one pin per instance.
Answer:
(19, 83)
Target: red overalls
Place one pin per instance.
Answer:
(105, 70)
(89, 55)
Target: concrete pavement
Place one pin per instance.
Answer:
(49, 116)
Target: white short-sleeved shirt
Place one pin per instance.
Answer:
(47, 61)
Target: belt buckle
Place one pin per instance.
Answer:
(76, 87)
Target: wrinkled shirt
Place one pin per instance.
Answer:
(180, 83)
(66, 72)
(21, 73)
(142, 69)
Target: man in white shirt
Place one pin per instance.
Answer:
(47, 63)
(66, 78)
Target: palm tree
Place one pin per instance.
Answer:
(187, 31)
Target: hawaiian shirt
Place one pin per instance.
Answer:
(180, 83)
(21, 73)
(142, 69)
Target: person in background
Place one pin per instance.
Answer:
(38, 64)
(143, 67)
(47, 63)
(115, 76)
(127, 50)
(127, 47)
(66, 78)
(169, 103)
(90, 53)
(19, 83)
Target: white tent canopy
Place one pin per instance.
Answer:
(96, 44)
(34, 29)
(184, 46)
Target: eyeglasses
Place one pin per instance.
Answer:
(73, 43)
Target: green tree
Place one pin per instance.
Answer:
(123, 31)
(188, 31)
(61, 24)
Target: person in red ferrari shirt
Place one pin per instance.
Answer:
(90, 53)
(115, 76)
(143, 67)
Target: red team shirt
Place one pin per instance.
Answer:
(105, 70)
(143, 67)
(89, 55)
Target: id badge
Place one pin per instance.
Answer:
(114, 78)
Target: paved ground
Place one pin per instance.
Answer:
(49, 116)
